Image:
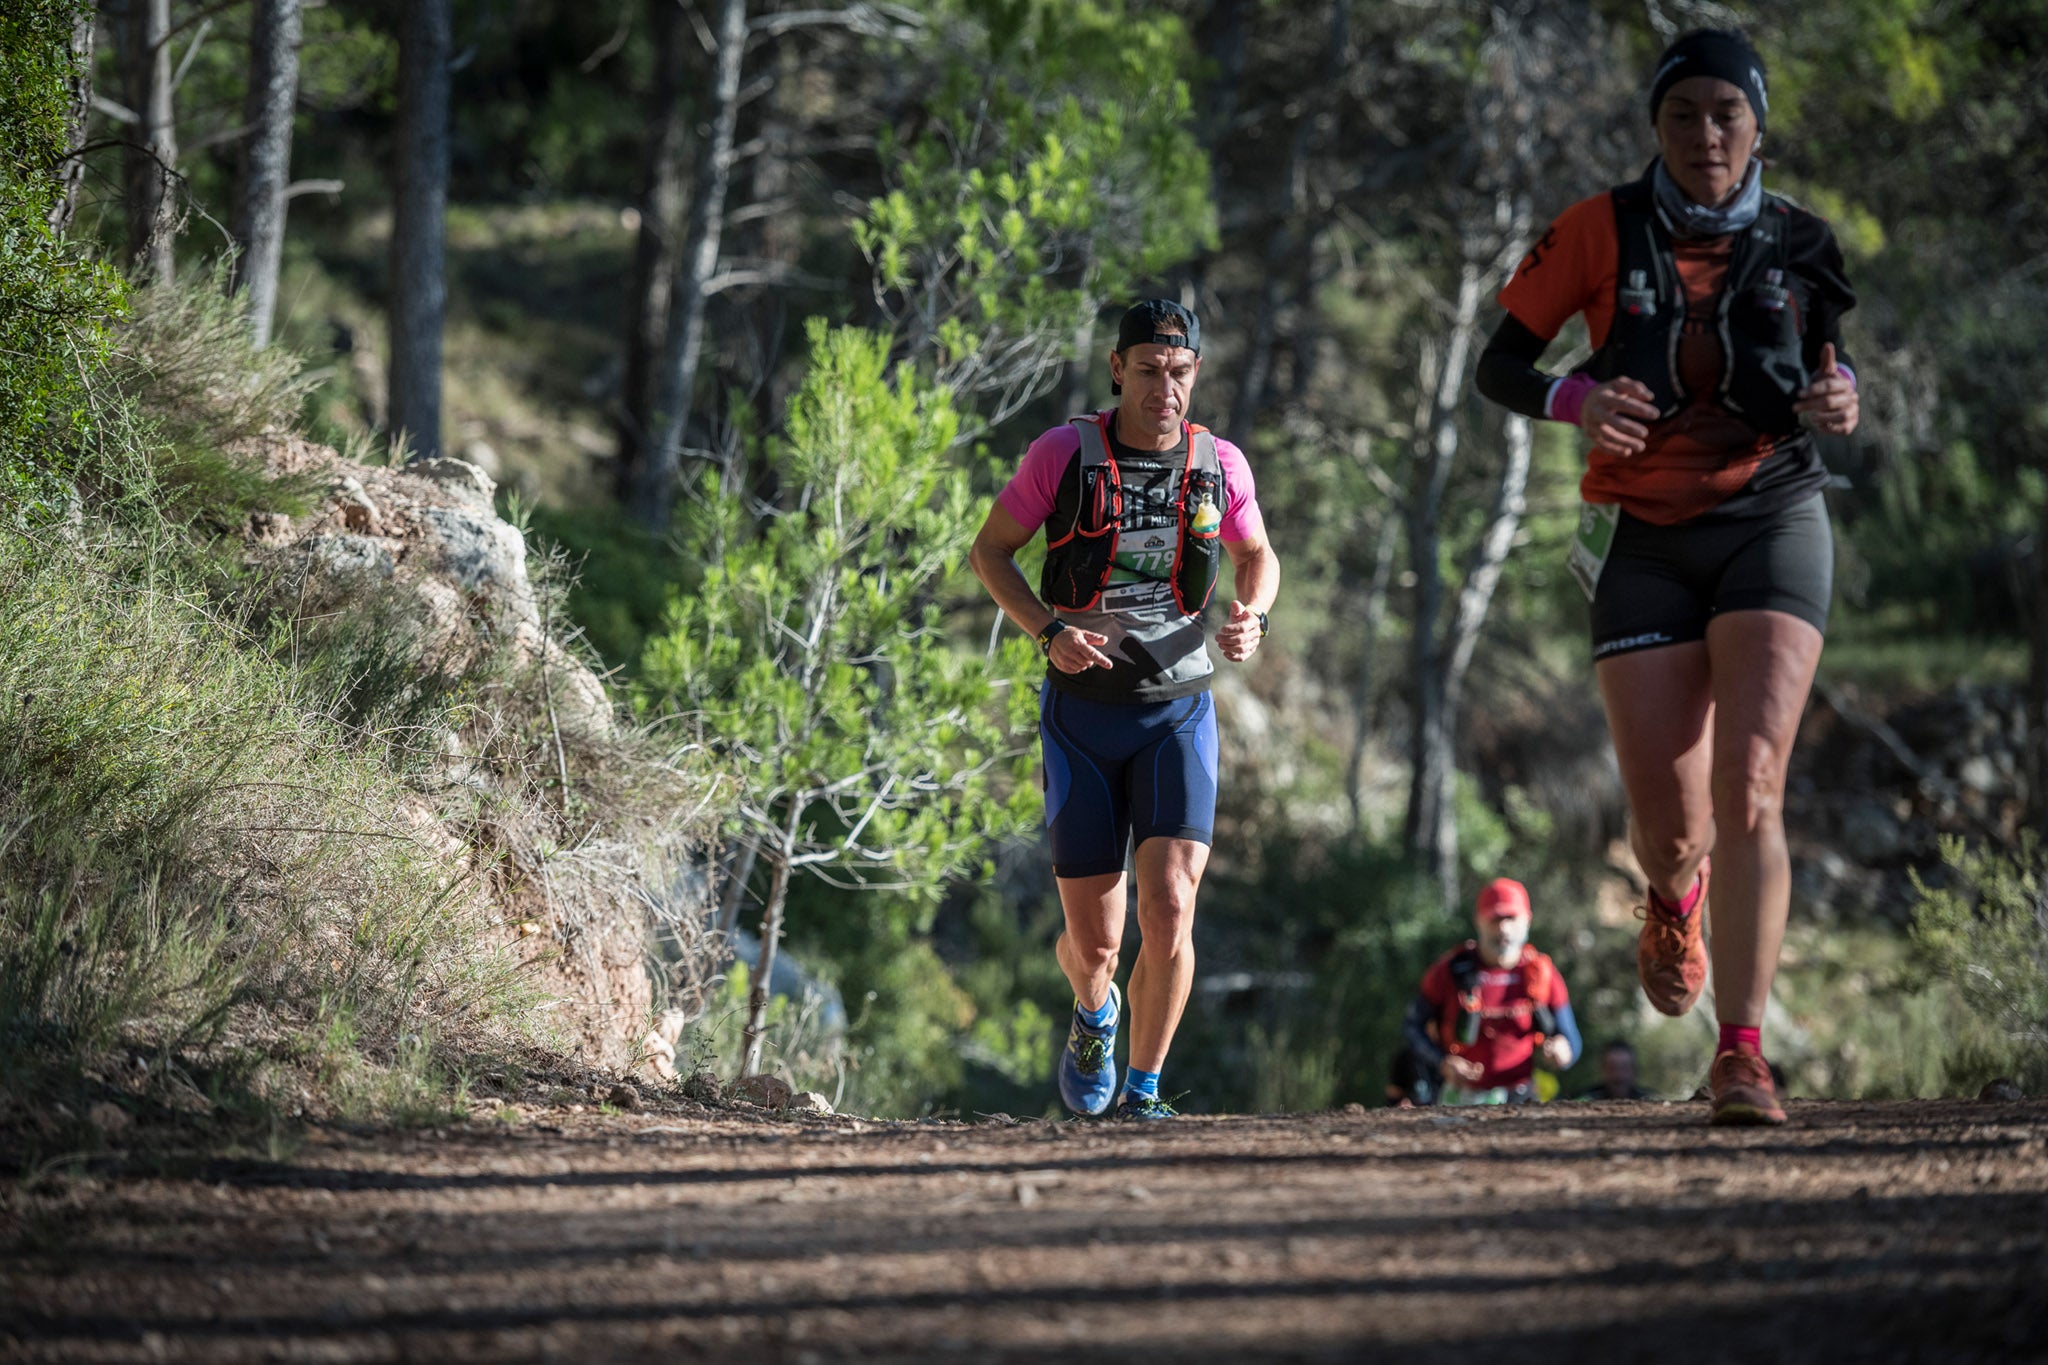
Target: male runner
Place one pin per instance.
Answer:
(1489, 1009)
(1136, 504)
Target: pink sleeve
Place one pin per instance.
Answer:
(1241, 519)
(1030, 494)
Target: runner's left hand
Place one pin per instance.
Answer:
(1829, 403)
(1240, 635)
(1557, 1053)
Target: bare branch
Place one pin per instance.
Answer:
(610, 46)
(214, 139)
(785, 275)
(120, 113)
(191, 51)
(868, 20)
(203, 17)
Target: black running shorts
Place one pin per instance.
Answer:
(1117, 770)
(1662, 584)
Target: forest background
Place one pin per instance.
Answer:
(706, 269)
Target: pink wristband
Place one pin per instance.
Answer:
(1568, 396)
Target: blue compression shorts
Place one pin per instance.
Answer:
(1117, 770)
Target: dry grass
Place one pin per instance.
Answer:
(255, 864)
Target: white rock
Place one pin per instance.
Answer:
(484, 555)
(670, 1025)
(460, 478)
(581, 705)
(809, 1102)
(347, 560)
(658, 1055)
(440, 614)
(1980, 774)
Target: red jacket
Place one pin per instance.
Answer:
(1499, 1004)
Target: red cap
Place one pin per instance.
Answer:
(1503, 897)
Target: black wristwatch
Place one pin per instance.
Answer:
(1045, 636)
(1262, 623)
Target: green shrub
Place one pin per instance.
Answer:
(54, 302)
(1985, 933)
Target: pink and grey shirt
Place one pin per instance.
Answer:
(1159, 652)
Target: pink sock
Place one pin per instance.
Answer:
(1684, 907)
(1736, 1038)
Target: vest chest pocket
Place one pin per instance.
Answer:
(1768, 364)
(1769, 311)
(1199, 556)
(1078, 564)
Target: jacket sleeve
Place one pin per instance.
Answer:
(1817, 257)
(1507, 371)
(1415, 1028)
(1568, 1029)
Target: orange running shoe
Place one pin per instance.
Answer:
(1671, 959)
(1743, 1093)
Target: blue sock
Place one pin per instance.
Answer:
(1098, 1019)
(1141, 1083)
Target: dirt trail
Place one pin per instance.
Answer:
(1608, 1232)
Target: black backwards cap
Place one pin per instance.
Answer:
(1157, 321)
(1720, 52)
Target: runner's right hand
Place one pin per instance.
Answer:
(1075, 650)
(1463, 1069)
(1614, 415)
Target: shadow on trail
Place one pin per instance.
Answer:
(1999, 1281)
(268, 1175)
(739, 1236)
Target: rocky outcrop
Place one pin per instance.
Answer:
(1872, 790)
(428, 531)
(420, 551)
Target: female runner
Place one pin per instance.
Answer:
(1715, 309)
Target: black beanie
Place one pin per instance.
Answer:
(1723, 53)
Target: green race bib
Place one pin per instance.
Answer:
(1592, 542)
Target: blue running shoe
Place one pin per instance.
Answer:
(1087, 1069)
(1145, 1109)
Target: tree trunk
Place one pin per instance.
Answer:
(736, 887)
(654, 250)
(2037, 682)
(152, 156)
(420, 206)
(1285, 243)
(655, 497)
(1430, 833)
(1081, 369)
(259, 219)
(1375, 614)
(79, 110)
(771, 234)
(771, 934)
(1503, 520)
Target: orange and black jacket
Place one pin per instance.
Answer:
(1724, 331)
